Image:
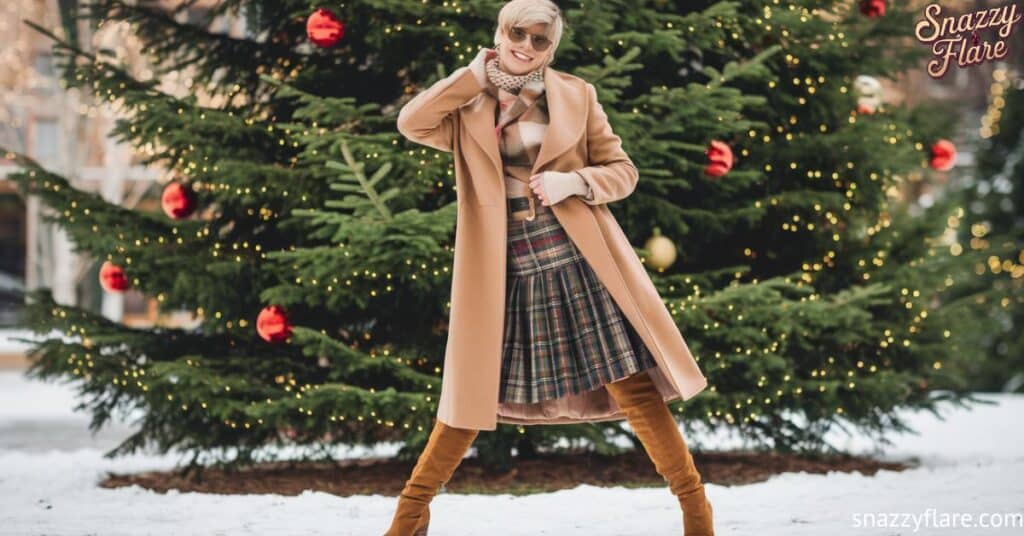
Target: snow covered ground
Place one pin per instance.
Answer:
(971, 463)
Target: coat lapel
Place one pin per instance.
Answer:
(567, 121)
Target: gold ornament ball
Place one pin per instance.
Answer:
(662, 252)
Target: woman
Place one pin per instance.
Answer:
(580, 335)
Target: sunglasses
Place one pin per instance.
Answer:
(540, 43)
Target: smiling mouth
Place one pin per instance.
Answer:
(521, 57)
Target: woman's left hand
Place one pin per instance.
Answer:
(554, 186)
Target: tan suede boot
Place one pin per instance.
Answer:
(653, 423)
(435, 466)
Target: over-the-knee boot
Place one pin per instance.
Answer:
(651, 420)
(435, 466)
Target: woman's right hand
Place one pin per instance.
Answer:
(478, 64)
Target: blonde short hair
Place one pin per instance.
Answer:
(528, 13)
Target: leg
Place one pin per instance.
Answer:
(653, 423)
(438, 461)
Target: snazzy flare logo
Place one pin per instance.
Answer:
(956, 37)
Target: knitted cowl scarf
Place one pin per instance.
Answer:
(511, 82)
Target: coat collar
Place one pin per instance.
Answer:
(567, 107)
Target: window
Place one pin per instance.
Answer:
(12, 254)
(46, 72)
(44, 142)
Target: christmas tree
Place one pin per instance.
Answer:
(992, 233)
(314, 244)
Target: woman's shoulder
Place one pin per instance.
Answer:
(571, 79)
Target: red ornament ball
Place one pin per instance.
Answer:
(272, 324)
(112, 277)
(872, 8)
(720, 159)
(324, 28)
(943, 155)
(178, 200)
(865, 109)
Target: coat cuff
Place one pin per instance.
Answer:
(610, 174)
(587, 192)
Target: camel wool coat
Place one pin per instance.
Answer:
(455, 115)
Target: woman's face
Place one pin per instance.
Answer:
(521, 57)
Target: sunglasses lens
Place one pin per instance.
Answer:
(539, 42)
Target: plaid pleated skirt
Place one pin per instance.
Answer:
(564, 333)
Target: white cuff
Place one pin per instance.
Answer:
(558, 185)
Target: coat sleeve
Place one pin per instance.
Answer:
(428, 119)
(611, 174)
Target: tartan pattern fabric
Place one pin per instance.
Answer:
(564, 333)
